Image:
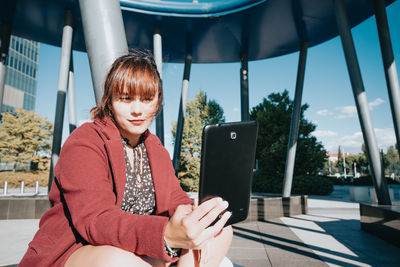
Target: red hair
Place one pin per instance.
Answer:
(135, 74)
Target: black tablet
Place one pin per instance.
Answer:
(227, 162)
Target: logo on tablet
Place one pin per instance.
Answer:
(233, 135)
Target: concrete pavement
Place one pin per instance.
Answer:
(329, 235)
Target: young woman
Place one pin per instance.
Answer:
(115, 198)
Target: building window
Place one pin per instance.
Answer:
(12, 83)
(19, 82)
(8, 77)
(23, 84)
(33, 84)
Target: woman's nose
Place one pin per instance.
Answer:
(136, 107)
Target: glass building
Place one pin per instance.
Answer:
(21, 76)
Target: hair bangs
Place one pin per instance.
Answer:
(136, 82)
(134, 75)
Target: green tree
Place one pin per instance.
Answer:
(329, 167)
(359, 160)
(365, 164)
(25, 138)
(339, 162)
(273, 115)
(392, 161)
(199, 112)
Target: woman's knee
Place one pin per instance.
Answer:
(113, 256)
(107, 256)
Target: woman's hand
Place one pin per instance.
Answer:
(190, 228)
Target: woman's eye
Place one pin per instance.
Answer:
(124, 98)
(147, 99)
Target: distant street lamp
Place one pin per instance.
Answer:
(344, 166)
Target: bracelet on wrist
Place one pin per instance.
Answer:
(170, 251)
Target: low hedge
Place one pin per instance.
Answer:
(302, 185)
(362, 180)
(29, 177)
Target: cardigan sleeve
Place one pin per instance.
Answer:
(86, 184)
(177, 195)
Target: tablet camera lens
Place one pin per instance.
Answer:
(233, 135)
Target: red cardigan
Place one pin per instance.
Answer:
(87, 194)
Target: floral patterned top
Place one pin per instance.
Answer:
(139, 196)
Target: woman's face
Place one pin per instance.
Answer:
(133, 115)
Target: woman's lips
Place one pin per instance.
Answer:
(136, 122)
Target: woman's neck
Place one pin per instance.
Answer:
(133, 140)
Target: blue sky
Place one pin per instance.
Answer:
(327, 86)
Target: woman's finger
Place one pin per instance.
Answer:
(212, 231)
(205, 208)
(219, 225)
(213, 215)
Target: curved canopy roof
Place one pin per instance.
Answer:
(209, 30)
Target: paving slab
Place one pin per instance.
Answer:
(281, 246)
(14, 238)
(332, 230)
(329, 235)
(252, 263)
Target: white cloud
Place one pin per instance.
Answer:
(235, 109)
(346, 112)
(375, 103)
(331, 147)
(385, 138)
(352, 142)
(321, 133)
(324, 112)
(351, 111)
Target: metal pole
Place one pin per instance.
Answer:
(22, 187)
(37, 187)
(66, 47)
(295, 123)
(360, 98)
(344, 165)
(71, 96)
(105, 38)
(244, 88)
(5, 189)
(5, 43)
(157, 46)
(389, 64)
(355, 169)
(181, 115)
